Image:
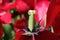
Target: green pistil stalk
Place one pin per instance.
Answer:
(31, 19)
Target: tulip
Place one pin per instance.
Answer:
(26, 34)
(40, 7)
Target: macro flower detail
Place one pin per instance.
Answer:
(29, 19)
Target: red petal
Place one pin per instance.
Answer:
(21, 6)
(46, 35)
(9, 6)
(41, 9)
(6, 18)
(56, 25)
(52, 13)
(53, 17)
(20, 24)
(30, 3)
(18, 35)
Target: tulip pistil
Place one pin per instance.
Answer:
(31, 19)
